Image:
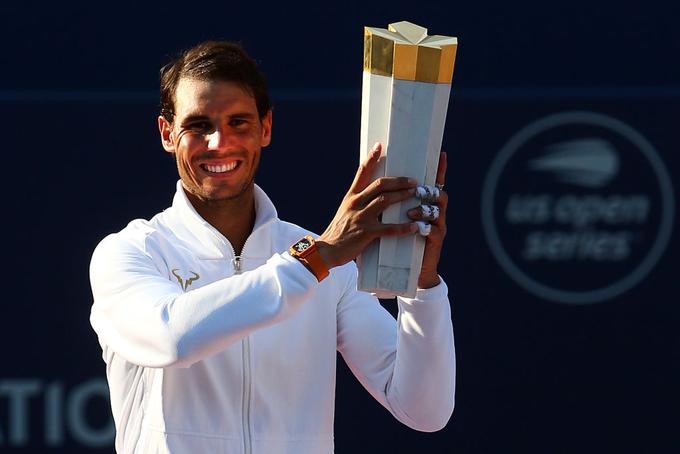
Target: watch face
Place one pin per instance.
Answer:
(302, 245)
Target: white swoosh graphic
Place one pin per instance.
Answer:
(590, 162)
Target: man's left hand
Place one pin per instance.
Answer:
(433, 242)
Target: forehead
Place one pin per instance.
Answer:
(211, 98)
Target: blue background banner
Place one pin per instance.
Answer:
(82, 157)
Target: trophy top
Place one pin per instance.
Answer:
(411, 32)
(405, 51)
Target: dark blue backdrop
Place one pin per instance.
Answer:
(78, 106)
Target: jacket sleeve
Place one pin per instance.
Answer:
(148, 320)
(408, 366)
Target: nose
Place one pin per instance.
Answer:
(218, 139)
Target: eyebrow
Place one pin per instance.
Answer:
(200, 117)
(246, 115)
(194, 117)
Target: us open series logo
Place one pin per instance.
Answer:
(577, 207)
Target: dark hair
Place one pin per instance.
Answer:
(213, 61)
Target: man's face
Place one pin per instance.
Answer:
(216, 137)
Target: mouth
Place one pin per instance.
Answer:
(220, 168)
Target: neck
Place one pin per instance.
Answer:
(234, 218)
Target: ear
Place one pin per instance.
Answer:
(267, 129)
(165, 128)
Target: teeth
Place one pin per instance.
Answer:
(221, 169)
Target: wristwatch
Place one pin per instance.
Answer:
(305, 251)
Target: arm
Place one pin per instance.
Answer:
(408, 366)
(145, 318)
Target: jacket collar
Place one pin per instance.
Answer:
(258, 242)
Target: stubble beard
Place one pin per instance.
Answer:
(232, 198)
(214, 201)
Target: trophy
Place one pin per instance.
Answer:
(405, 95)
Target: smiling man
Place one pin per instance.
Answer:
(219, 323)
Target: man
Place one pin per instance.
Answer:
(220, 338)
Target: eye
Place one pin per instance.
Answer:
(203, 127)
(238, 122)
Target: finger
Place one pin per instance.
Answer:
(427, 193)
(441, 219)
(437, 232)
(382, 201)
(442, 203)
(415, 214)
(424, 212)
(424, 229)
(441, 169)
(385, 185)
(366, 170)
(396, 229)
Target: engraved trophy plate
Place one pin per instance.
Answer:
(405, 95)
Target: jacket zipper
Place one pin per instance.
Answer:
(247, 441)
(245, 343)
(236, 262)
(246, 396)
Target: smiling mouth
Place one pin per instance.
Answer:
(223, 168)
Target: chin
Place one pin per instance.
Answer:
(223, 194)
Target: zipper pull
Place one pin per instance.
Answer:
(237, 264)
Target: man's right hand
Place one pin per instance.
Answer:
(356, 222)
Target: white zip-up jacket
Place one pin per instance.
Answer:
(210, 353)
